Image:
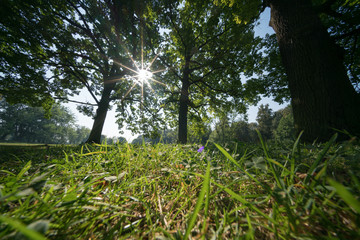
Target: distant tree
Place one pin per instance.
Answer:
(277, 116)
(222, 132)
(285, 129)
(252, 130)
(264, 119)
(167, 136)
(242, 132)
(121, 140)
(140, 139)
(237, 131)
(198, 132)
(80, 135)
(21, 123)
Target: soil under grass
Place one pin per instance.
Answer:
(175, 192)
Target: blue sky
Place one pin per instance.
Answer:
(111, 128)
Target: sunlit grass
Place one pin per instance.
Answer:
(175, 192)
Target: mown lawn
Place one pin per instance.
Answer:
(125, 191)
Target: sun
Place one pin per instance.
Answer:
(144, 75)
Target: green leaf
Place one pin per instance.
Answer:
(226, 154)
(70, 196)
(28, 231)
(23, 170)
(243, 201)
(200, 200)
(345, 195)
(319, 158)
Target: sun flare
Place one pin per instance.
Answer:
(144, 75)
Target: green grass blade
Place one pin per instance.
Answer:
(276, 175)
(31, 234)
(243, 201)
(23, 170)
(7, 172)
(226, 154)
(207, 202)
(250, 233)
(345, 195)
(296, 144)
(204, 189)
(263, 144)
(320, 157)
(292, 159)
(279, 164)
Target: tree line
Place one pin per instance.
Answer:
(274, 126)
(23, 124)
(206, 60)
(20, 123)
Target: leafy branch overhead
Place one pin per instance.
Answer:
(207, 59)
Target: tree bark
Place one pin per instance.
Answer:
(183, 105)
(323, 98)
(99, 120)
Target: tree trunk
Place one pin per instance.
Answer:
(95, 134)
(183, 105)
(323, 98)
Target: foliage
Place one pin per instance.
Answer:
(278, 126)
(341, 18)
(26, 27)
(222, 131)
(264, 119)
(207, 54)
(122, 140)
(172, 191)
(53, 49)
(196, 135)
(226, 132)
(272, 80)
(285, 129)
(81, 135)
(21, 123)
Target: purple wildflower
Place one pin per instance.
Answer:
(201, 149)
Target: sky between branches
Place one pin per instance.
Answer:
(111, 128)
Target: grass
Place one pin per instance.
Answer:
(163, 191)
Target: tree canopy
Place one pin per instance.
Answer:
(202, 56)
(21, 123)
(78, 44)
(207, 54)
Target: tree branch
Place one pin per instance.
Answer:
(177, 30)
(212, 38)
(348, 34)
(87, 30)
(82, 79)
(74, 101)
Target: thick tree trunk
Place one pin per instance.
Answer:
(183, 105)
(95, 134)
(323, 98)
